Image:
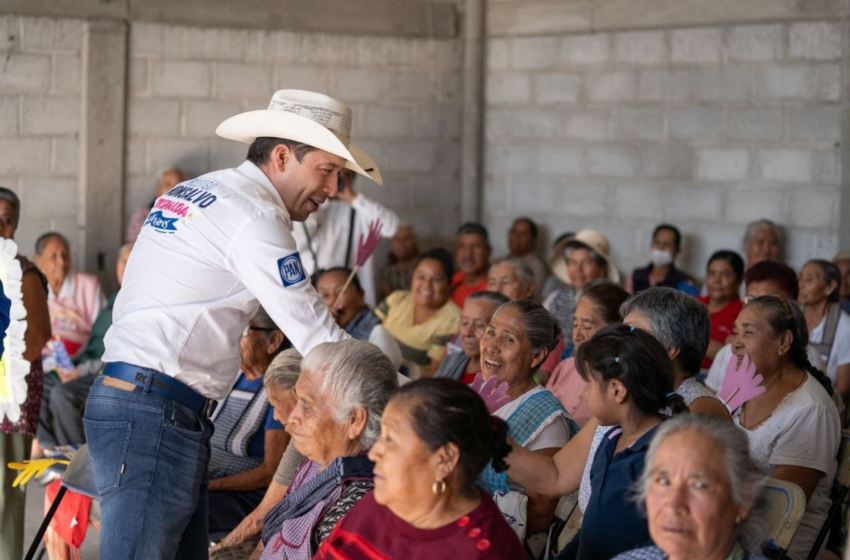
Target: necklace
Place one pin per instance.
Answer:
(763, 420)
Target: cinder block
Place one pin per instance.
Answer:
(156, 39)
(816, 124)
(610, 86)
(498, 54)
(698, 45)
(200, 118)
(387, 122)
(67, 73)
(322, 49)
(227, 154)
(559, 160)
(787, 82)
(496, 195)
(829, 82)
(301, 77)
(216, 43)
(786, 166)
(242, 79)
(717, 164)
(25, 73)
(814, 207)
(612, 162)
(756, 123)
(66, 156)
(153, 117)
(11, 31)
(62, 194)
(451, 87)
(747, 43)
(664, 85)
(587, 124)
(413, 86)
(139, 76)
(671, 161)
(827, 167)
(24, 156)
(418, 155)
(383, 52)
(692, 202)
(52, 35)
(556, 88)
(285, 46)
(637, 201)
(360, 84)
(531, 123)
(136, 156)
(438, 121)
(8, 115)
(724, 84)
(508, 88)
(640, 47)
(744, 206)
(815, 40)
(192, 156)
(696, 123)
(535, 53)
(443, 54)
(640, 123)
(180, 78)
(498, 124)
(509, 160)
(568, 198)
(586, 49)
(50, 115)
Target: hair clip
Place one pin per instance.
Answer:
(617, 360)
(671, 394)
(632, 329)
(789, 314)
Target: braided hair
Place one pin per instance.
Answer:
(783, 315)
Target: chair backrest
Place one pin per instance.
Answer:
(843, 474)
(786, 503)
(571, 528)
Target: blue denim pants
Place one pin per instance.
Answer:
(150, 456)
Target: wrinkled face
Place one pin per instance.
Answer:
(314, 430)
(8, 225)
(472, 254)
(665, 240)
(351, 302)
(586, 321)
(813, 288)
(168, 181)
(255, 351)
(404, 467)
(764, 246)
(506, 351)
(304, 185)
(721, 282)
(283, 402)
(689, 503)
(753, 336)
(520, 239)
(403, 244)
(502, 278)
(123, 257)
(583, 268)
(843, 266)
(55, 260)
(430, 285)
(473, 321)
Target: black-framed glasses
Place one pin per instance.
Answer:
(247, 330)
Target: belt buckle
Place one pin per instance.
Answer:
(209, 408)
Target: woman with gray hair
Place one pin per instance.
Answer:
(341, 394)
(763, 241)
(699, 492)
(513, 278)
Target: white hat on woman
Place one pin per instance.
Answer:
(588, 239)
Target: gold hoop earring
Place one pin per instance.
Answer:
(439, 487)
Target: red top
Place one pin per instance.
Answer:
(460, 291)
(372, 532)
(721, 322)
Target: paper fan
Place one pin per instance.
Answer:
(13, 367)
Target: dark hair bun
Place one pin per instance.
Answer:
(501, 449)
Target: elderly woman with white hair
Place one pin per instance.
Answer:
(699, 492)
(763, 240)
(341, 394)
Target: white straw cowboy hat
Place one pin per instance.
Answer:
(307, 117)
(589, 239)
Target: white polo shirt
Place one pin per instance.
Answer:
(211, 251)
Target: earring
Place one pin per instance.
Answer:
(439, 487)
(738, 519)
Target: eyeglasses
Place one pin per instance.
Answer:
(247, 330)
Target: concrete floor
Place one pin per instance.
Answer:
(35, 514)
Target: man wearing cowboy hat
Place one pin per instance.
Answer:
(212, 250)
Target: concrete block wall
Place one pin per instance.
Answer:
(707, 128)
(405, 93)
(40, 100)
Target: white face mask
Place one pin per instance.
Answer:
(660, 257)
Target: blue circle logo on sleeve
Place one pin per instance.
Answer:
(291, 270)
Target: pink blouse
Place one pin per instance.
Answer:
(569, 387)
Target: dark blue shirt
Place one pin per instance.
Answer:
(257, 444)
(612, 522)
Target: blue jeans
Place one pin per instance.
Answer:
(150, 456)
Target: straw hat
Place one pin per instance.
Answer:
(307, 117)
(589, 239)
